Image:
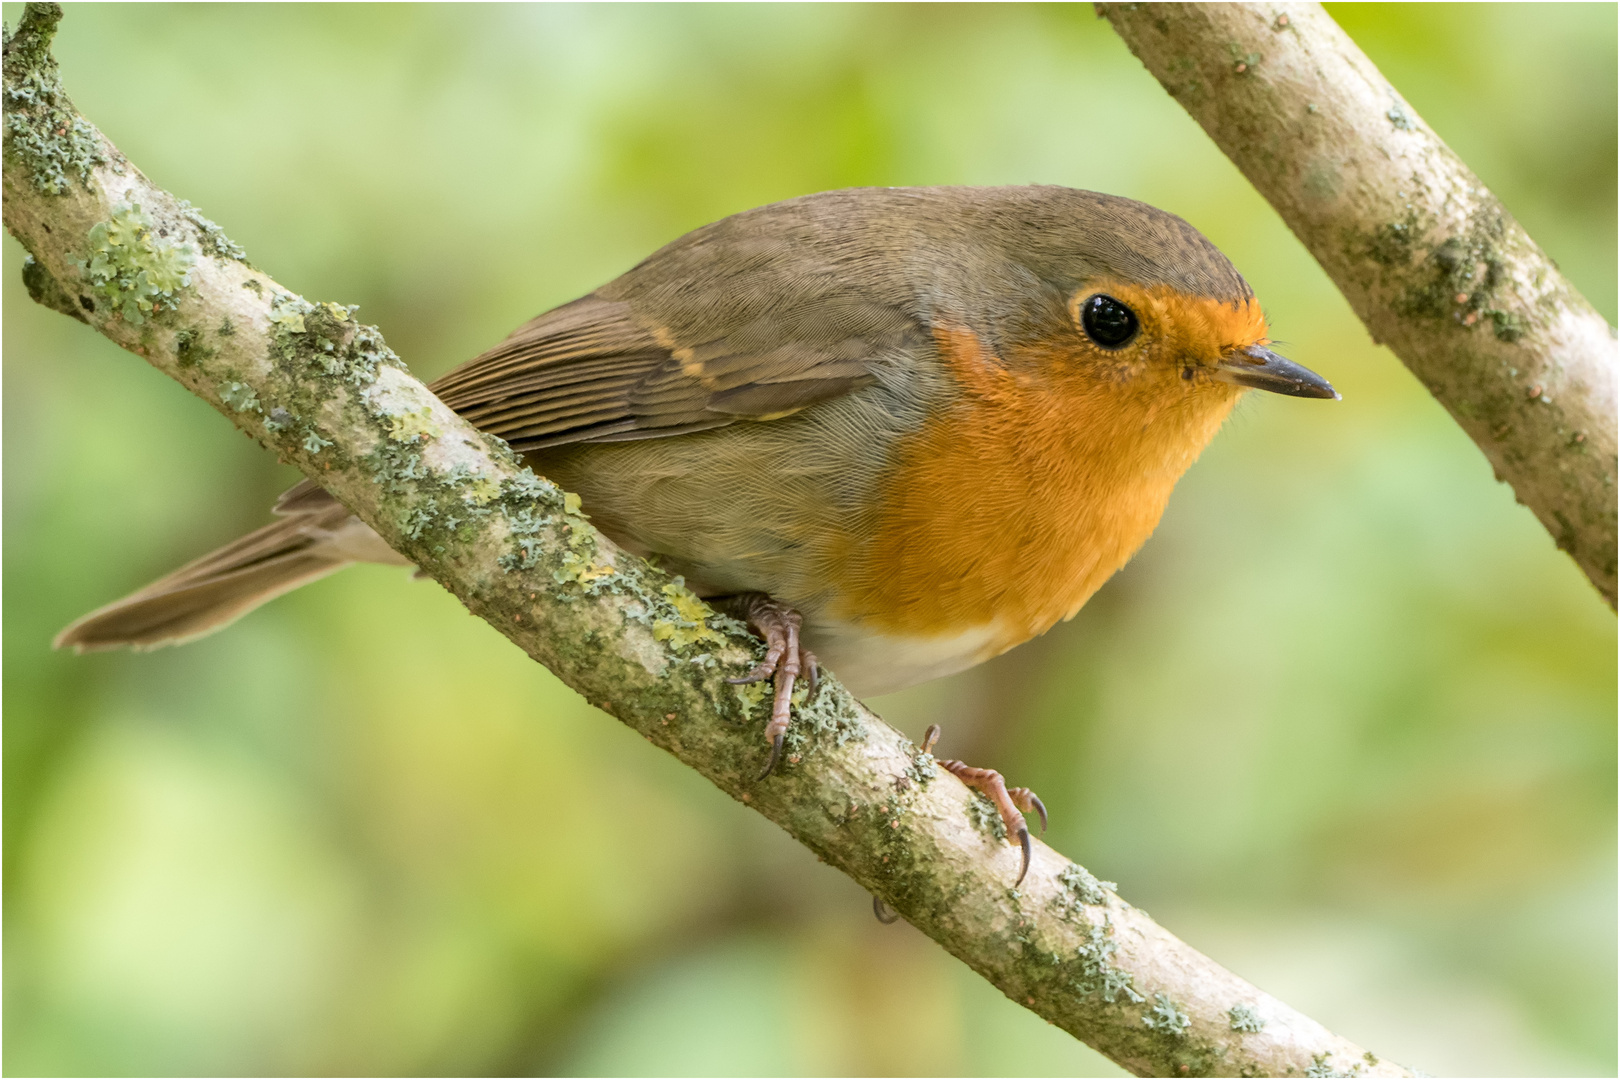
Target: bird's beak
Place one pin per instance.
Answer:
(1262, 369)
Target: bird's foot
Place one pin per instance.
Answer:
(1008, 802)
(785, 660)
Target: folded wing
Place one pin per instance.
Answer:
(593, 371)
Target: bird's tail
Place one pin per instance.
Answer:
(316, 536)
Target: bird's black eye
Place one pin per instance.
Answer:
(1107, 321)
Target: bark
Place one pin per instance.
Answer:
(1428, 258)
(319, 389)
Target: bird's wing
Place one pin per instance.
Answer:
(605, 370)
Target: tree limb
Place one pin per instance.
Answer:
(325, 393)
(1427, 257)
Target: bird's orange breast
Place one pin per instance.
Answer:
(1014, 504)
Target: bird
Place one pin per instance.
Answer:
(898, 431)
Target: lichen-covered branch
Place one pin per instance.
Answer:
(1428, 258)
(321, 390)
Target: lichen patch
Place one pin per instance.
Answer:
(133, 271)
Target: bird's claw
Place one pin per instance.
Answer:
(1011, 805)
(785, 660)
(758, 673)
(1026, 800)
(776, 755)
(930, 737)
(881, 910)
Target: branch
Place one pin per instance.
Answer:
(324, 392)
(1427, 257)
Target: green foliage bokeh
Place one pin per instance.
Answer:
(1346, 724)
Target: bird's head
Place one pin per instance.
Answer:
(1157, 335)
(1134, 297)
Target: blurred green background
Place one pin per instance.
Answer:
(1347, 723)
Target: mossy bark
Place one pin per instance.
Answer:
(1428, 258)
(324, 392)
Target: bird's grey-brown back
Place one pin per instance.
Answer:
(916, 249)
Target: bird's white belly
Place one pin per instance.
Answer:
(872, 663)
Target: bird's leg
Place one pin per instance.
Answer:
(1008, 802)
(785, 659)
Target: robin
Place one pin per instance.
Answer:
(897, 430)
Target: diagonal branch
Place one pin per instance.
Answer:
(1428, 258)
(321, 390)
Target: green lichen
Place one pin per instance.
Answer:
(287, 311)
(526, 528)
(1167, 1017)
(326, 338)
(1098, 977)
(1244, 1018)
(481, 490)
(30, 46)
(135, 272)
(434, 512)
(1322, 1065)
(751, 696)
(985, 817)
(689, 626)
(210, 237)
(418, 521)
(226, 327)
(324, 326)
(1398, 117)
(580, 561)
(1081, 887)
(43, 132)
(241, 397)
(823, 717)
(314, 444)
(414, 426)
(396, 467)
(442, 513)
(922, 768)
(526, 487)
(365, 356)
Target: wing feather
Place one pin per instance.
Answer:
(603, 370)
